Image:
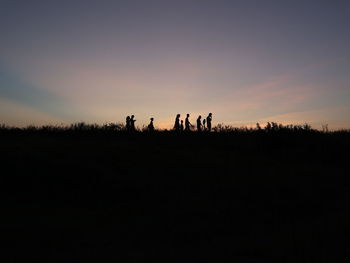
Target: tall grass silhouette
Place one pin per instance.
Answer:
(95, 191)
(270, 127)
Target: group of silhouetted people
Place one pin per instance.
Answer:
(201, 126)
(130, 123)
(178, 126)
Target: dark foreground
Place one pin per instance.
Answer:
(220, 197)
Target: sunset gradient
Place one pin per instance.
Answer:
(245, 61)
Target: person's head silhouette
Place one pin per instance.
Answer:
(187, 115)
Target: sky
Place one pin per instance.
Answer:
(246, 61)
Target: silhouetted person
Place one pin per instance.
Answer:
(177, 123)
(199, 123)
(187, 123)
(204, 124)
(209, 118)
(132, 123)
(127, 124)
(150, 125)
(182, 125)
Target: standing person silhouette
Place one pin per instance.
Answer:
(150, 125)
(187, 123)
(209, 118)
(132, 123)
(177, 123)
(199, 123)
(127, 123)
(204, 124)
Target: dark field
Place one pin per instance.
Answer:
(242, 196)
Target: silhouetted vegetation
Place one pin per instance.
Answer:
(88, 192)
(82, 127)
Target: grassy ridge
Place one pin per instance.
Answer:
(242, 195)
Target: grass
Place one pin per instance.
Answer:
(96, 193)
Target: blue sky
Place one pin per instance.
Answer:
(246, 61)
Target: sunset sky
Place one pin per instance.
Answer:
(246, 61)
